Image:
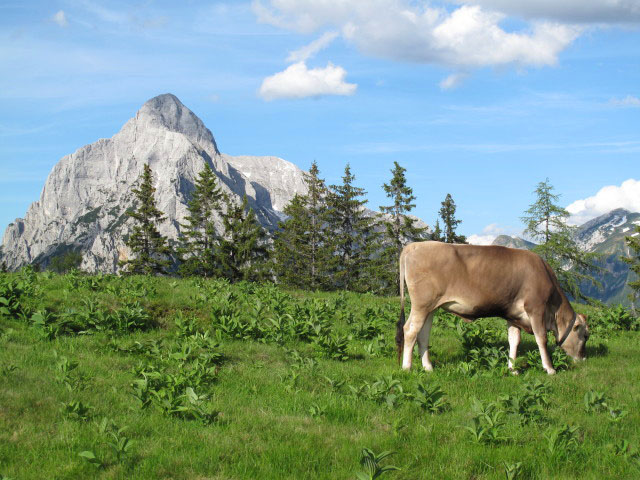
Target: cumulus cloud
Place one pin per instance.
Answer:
(308, 51)
(488, 235)
(417, 32)
(299, 81)
(571, 11)
(452, 81)
(627, 195)
(60, 18)
(628, 101)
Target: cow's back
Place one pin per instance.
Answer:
(490, 278)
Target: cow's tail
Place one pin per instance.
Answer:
(400, 322)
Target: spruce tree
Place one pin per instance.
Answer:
(633, 242)
(150, 248)
(546, 223)
(319, 254)
(199, 237)
(243, 251)
(351, 235)
(449, 221)
(400, 228)
(291, 245)
(437, 233)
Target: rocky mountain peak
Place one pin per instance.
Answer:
(167, 111)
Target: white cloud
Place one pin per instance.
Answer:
(627, 195)
(452, 81)
(628, 101)
(572, 11)
(60, 18)
(488, 235)
(306, 52)
(298, 81)
(408, 31)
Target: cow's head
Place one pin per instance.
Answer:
(575, 343)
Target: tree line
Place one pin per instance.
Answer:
(328, 240)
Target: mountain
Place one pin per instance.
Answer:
(83, 203)
(605, 235)
(513, 242)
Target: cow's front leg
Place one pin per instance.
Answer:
(411, 330)
(540, 332)
(514, 341)
(423, 343)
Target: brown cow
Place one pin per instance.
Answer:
(474, 281)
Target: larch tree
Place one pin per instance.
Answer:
(546, 222)
(150, 248)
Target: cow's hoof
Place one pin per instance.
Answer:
(428, 368)
(551, 371)
(515, 372)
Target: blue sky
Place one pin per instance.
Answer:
(482, 99)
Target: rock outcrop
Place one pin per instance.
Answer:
(83, 203)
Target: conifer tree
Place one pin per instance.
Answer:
(400, 228)
(633, 242)
(351, 235)
(449, 221)
(437, 232)
(301, 244)
(547, 223)
(199, 237)
(318, 251)
(150, 248)
(291, 245)
(243, 252)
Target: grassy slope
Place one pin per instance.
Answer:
(266, 429)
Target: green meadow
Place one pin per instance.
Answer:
(136, 377)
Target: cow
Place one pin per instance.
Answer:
(476, 281)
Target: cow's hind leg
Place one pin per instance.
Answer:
(514, 341)
(423, 342)
(411, 329)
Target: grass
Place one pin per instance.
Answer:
(279, 414)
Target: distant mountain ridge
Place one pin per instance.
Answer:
(605, 235)
(83, 203)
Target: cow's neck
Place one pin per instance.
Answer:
(565, 319)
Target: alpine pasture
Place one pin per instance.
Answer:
(157, 377)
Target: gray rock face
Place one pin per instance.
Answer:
(83, 203)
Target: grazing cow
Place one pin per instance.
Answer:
(474, 281)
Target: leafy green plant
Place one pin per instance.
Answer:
(595, 402)
(333, 346)
(529, 403)
(488, 423)
(371, 463)
(76, 410)
(90, 457)
(561, 439)
(5, 370)
(512, 470)
(430, 398)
